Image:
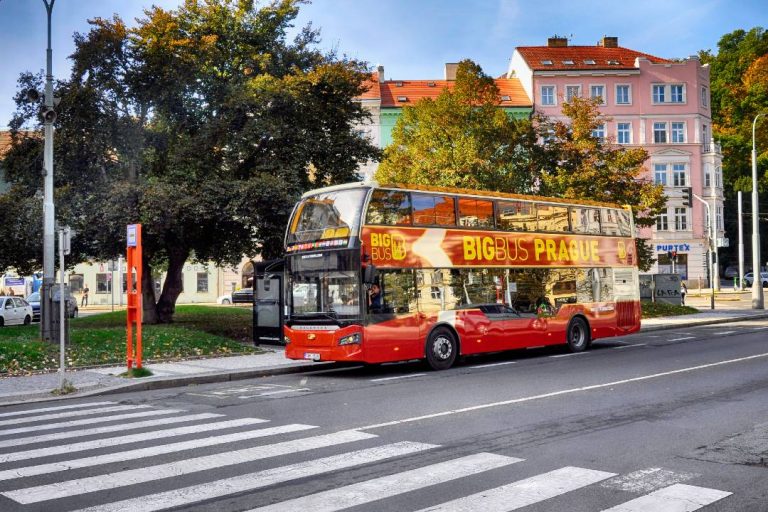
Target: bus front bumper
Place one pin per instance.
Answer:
(343, 344)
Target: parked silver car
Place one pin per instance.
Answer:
(14, 311)
(749, 277)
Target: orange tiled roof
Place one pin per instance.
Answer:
(603, 58)
(373, 91)
(5, 142)
(510, 90)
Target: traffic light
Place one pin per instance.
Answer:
(669, 255)
(687, 196)
(674, 256)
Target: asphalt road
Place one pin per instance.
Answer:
(670, 420)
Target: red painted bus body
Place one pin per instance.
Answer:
(451, 289)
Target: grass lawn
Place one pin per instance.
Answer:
(100, 339)
(657, 309)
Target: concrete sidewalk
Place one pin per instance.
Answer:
(102, 381)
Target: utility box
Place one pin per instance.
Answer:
(661, 288)
(68, 304)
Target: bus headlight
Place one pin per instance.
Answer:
(286, 340)
(352, 339)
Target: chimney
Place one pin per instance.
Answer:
(450, 70)
(609, 42)
(380, 71)
(557, 42)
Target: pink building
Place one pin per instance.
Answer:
(658, 104)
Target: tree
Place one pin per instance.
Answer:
(583, 166)
(205, 125)
(462, 138)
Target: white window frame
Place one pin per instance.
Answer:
(599, 132)
(681, 219)
(662, 221)
(704, 96)
(629, 94)
(679, 175)
(719, 218)
(707, 175)
(672, 95)
(628, 132)
(570, 86)
(603, 96)
(719, 177)
(660, 97)
(672, 137)
(666, 91)
(666, 134)
(660, 174)
(554, 95)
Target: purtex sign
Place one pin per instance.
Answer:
(673, 247)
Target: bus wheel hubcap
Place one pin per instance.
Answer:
(442, 347)
(576, 335)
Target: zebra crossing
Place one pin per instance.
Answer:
(99, 456)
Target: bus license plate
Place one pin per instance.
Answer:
(314, 356)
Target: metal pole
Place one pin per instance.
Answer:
(741, 247)
(119, 280)
(711, 245)
(713, 223)
(757, 285)
(46, 303)
(62, 308)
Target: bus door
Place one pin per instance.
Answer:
(394, 325)
(268, 304)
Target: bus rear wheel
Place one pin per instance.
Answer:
(577, 335)
(442, 349)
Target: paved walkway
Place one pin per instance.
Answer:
(165, 375)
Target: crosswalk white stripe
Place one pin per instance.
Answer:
(677, 498)
(57, 408)
(59, 415)
(122, 427)
(260, 479)
(178, 468)
(88, 421)
(130, 439)
(151, 451)
(391, 485)
(525, 492)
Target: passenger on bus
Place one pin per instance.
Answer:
(374, 298)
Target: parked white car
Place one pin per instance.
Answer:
(14, 311)
(749, 277)
(224, 299)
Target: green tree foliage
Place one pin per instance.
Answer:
(582, 166)
(204, 124)
(462, 139)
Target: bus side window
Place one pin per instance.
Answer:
(625, 227)
(552, 218)
(389, 207)
(397, 291)
(609, 222)
(475, 213)
(433, 210)
(585, 220)
(515, 216)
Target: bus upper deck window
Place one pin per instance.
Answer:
(475, 213)
(390, 207)
(433, 210)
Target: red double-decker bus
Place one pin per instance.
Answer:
(380, 273)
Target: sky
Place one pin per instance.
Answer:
(412, 39)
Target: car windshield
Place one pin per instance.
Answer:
(324, 286)
(35, 297)
(326, 216)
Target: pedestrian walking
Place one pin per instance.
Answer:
(84, 300)
(683, 292)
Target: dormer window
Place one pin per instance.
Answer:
(613, 62)
(568, 62)
(547, 62)
(505, 97)
(590, 62)
(430, 84)
(398, 84)
(402, 99)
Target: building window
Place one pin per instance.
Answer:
(658, 94)
(681, 219)
(660, 133)
(677, 93)
(704, 134)
(599, 132)
(623, 133)
(572, 91)
(678, 175)
(660, 174)
(719, 177)
(75, 282)
(704, 97)
(597, 92)
(678, 132)
(662, 222)
(623, 95)
(548, 95)
(104, 283)
(707, 175)
(719, 218)
(202, 282)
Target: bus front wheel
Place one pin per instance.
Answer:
(577, 335)
(442, 349)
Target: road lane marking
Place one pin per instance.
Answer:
(723, 333)
(57, 408)
(678, 497)
(571, 354)
(633, 345)
(647, 480)
(260, 479)
(489, 365)
(89, 421)
(176, 469)
(525, 492)
(151, 451)
(59, 415)
(392, 485)
(683, 338)
(562, 392)
(105, 430)
(409, 376)
(130, 439)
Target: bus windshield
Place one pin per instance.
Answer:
(324, 286)
(326, 216)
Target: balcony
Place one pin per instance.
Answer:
(711, 147)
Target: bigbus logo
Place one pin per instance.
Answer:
(387, 246)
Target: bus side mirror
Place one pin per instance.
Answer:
(369, 274)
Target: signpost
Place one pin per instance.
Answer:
(133, 317)
(64, 248)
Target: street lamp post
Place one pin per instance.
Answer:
(49, 116)
(757, 284)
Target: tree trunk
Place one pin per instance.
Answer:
(148, 301)
(166, 305)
